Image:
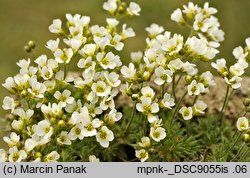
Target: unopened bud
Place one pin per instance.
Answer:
(188, 79)
(61, 123)
(38, 155)
(27, 49)
(246, 138)
(32, 44)
(247, 109)
(246, 101)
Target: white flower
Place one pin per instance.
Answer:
(89, 127)
(15, 155)
(175, 65)
(177, 16)
(56, 26)
(154, 29)
(209, 10)
(220, 65)
(110, 5)
(127, 32)
(12, 140)
(186, 112)
(64, 138)
(24, 115)
(44, 129)
(8, 104)
(17, 125)
(22, 81)
(30, 144)
(112, 79)
(162, 76)
(136, 56)
(201, 23)
(146, 106)
(63, 56)
(112, 117)
(93, 109)
(36, 89)
(107, 102)
(242, 123)
(157, 134)
(148, 92)
(196, 46)
(78, 117)
(76, 132)
(116, 42)
(104, 136)
(64, 98)
(199, 107)
(234, 82)
(133, 9)
(53, 44)
(238, 69)
(75, 106)
(88, 49)
(23, 64)
(52, 157)
(207, 78)
(108, 61)
(173, 45)
(142, 155)
(112, 22)
(77, 20)
(129, 72)
(93, 159)
(145, 142)
(189, 68)
(98, 31)
(53, 110)
(73, 43)
(195, 88)
(10, 84)
(167, 101)
(100, 88)
(191, 10)
(3, 156)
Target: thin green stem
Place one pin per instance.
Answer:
(224, 103)
(233, 144)
(178, 80)
(244, 154)
(177, 107)
(239, 152)
(131, 118)
(173, 88)
(195, 99)
(162, 90)
(65, 71)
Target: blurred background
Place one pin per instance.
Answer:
(24, 20)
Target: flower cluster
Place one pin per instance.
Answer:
(53, 106)
(200, 19)
(166, 57)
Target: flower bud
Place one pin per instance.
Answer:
(247, 109)
(246, 101)
(61, 123)
(32, 44)
(146, 75)
(246, 138)
(188, 79)
(27, 49)
(38, 155)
